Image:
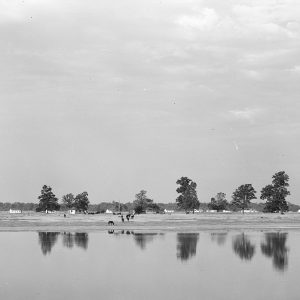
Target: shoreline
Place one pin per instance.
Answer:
(177, 222)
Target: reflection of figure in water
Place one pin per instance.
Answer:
(141, 239)
(219, 237)
(68, 239)
(274, 246)
(243, 247)
(47, 241)
(111, 231)
(82, 239)
(186, 245)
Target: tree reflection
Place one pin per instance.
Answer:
(243, 247)
(47, 241)
(82, 239)
(274, 247)
(68, 239)
(141, 239)
(186, 245)
(219, 237)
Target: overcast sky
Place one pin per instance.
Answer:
(111, 97)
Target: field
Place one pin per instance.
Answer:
(31, 221)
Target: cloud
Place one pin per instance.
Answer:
(246, 114)
(205, 20)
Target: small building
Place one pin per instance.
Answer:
(15, 211)
(108, 211)
(168, 211)
(72, 211)
(249, 211)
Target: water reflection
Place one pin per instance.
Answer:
(47, 240)
(141, 239)
(219, 237)
(243, 247)
(68, 239)
(274, 247)
(186, 245)
(81, 239)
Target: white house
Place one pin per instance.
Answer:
(15, 211)
(72, 211)
(108, 211)
(247, 211)
(198, 210)
(168, 211)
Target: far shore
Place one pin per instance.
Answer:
(179, 222)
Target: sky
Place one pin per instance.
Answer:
(111, 97)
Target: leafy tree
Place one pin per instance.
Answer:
(276, 193)
(47, 199)
(142, 202)
(81, 202)
(188, 199)
(219, 202)
(68, 200)
(118, 206)
(242, 196)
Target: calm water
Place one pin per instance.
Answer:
(132, 265)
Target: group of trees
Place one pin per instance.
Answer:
(143, 203)
(48, 201)
(275, 195)
(80, 202)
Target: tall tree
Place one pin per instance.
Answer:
(81, 201)
(276, 193)
(47, 199)
(68, 200)
(242, 196)
(219, 202)
(188, 199)
(142, 202)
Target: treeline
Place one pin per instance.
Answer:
(273, 194)
(129, 206)
(18, 205)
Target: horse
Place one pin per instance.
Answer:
(111, 223)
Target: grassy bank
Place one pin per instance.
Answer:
(31, 221)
